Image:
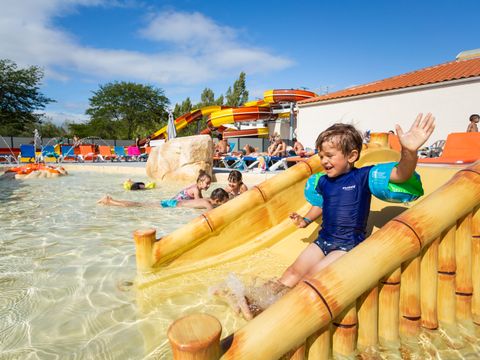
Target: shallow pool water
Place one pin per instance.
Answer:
(67, 266)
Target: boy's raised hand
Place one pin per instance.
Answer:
(418, 134)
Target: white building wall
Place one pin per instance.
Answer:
(450, 103)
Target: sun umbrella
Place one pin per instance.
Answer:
(171, 129)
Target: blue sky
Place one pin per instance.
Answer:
(185, 46)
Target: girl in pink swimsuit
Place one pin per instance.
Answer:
(194, 191)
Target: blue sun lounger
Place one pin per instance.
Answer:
(48, 151)
(27, 153)
(69, 153)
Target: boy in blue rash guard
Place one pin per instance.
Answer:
(346, 194)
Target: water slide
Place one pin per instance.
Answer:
(256, 220)
(258, 110)
(250, 236)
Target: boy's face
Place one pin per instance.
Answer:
(334, 161)
(218, 202)
(475, 119)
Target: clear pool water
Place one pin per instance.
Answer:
(67, 265)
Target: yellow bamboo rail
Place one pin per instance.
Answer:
(200, 243)
(424, 238)
(476, 266)
(315, 302)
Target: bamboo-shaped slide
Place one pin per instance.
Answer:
(432, 250)
(253, 221)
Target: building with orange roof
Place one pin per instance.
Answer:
(451, 91)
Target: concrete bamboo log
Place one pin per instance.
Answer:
(345, 332)
(446, 277)
(195, 337)
(316, 301)
(144, 241)
(410, 312)
(318, 345)
(298, 354)
(463, 281)
(388, 310)
(476, 266)
(199, 229)
(367, 314)
(428, 285)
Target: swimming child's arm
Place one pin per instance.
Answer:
(303, 221)
(411, 141)
(243, 188)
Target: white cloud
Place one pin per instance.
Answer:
(28, 37)
(59, 117)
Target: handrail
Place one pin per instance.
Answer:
(403, 243)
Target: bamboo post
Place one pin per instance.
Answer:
(298, 354)
(144, 240)
(446, 277)
(195, 337)
(410, 298)
(367, 314)
(318, 345)
(428, 285)
(345, 332)
(476, 266)
(388, 310)
(463, 282)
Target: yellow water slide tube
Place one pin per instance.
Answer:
(286, 95)
(185, 119)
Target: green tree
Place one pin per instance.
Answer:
(49, 130)
(123, 110)
(207, 98)
(183, 108)
(239, 95)
(219, 100)
(20, 98)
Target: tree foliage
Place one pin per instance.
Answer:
(20, 97)
(123, 110)
(239, 95)
(48, 129)
(236, 97)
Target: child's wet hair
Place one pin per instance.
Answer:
(249, 148)
(202, 175)
(346, 137)
(474, 117)
(220, 195)
(235, 176)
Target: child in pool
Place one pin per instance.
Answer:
(132, 185)
(345, 193)
(217, 198)
(235, 185)
(194, 191)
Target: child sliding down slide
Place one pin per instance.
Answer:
(341, 194)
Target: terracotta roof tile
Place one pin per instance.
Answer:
(453, 70)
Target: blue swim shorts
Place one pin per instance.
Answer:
(327, 247)
(169, 203)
